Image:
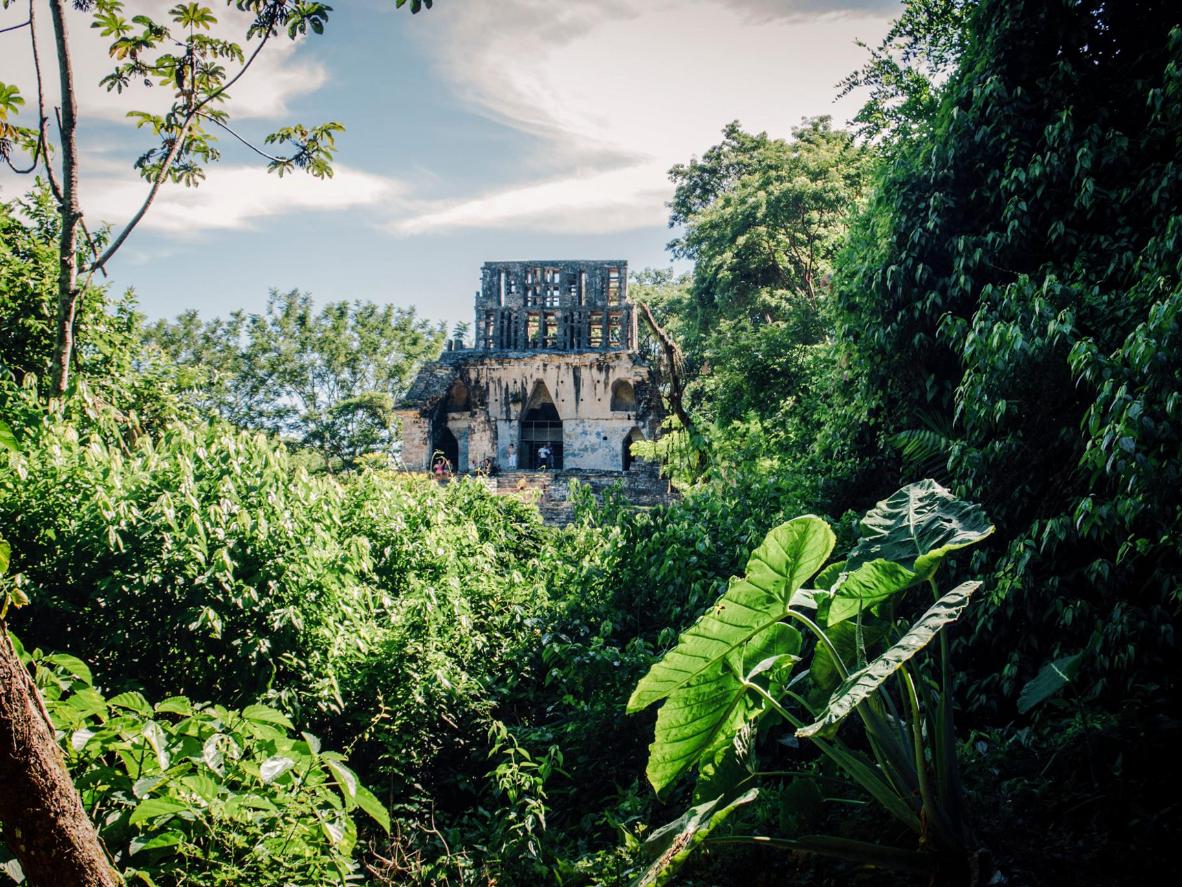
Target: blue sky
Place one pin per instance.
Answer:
(476, 131)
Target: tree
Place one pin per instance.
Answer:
(326, 379)
(1010, 303)
(763, 220)
(198, 70)
(179, 54)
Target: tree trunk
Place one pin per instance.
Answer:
(674, 366)
(44, 823)
(68, 207)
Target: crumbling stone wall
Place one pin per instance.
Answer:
(555, 305)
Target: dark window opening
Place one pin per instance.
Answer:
(623, 396)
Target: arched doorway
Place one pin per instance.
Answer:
(540, 426)
(627, 458)
(446, 443)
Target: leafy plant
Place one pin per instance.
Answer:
(195, 793)
(731, 675)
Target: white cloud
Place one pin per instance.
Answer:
(234, 197)
(617, 92)
(631, 197)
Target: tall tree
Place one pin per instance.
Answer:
(326, 379)
(1010, 301)
(176, 52)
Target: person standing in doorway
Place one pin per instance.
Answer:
(544, 456)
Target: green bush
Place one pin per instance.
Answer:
(188, 793)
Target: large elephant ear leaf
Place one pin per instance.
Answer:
(867, 586)
(672, 843)
(791, 553)
(917, 527)
(703, 717)
(862, 683)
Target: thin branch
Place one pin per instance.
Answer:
(221, 89)
(244, 141)
(23, 24)
(178, 141)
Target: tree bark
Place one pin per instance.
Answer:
(44, 824)
(69, 210)
(675, 363)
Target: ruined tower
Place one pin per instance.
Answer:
(554, 365)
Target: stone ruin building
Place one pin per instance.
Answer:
(555, 363)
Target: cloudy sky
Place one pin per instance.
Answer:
(481, 129)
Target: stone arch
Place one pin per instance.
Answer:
(626, 457)
(623, 396)
(541, 426)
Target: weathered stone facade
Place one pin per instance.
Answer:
(543, 374)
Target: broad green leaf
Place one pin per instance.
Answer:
(791, 553)
(825, 579)
(700, 719)
(264, 714)
(346, 779)
(844, 636)
(866, 587)
(274, 767)
(7, 438)
(368, 802)
(917, 526)
(1052, 678)
(164, 839)
(5, 554)
(671, 844)
(73, 665)
(211, 753)
(80, 737)
(859, 685)
(155, 737)
(175, 705)
(131, 701)
(145, 785)
(153, 807)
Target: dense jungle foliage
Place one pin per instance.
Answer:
(272, 658)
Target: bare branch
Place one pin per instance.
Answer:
(240, 138)
(222, 89)
(161, 175)
(675, 364)
(23, 24)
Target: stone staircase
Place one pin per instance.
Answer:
(550, 490)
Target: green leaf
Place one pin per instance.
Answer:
(175, 705)
(917, 526)
(132, 701)
(825, 579)
(860, 684)
(866, 587)
(154, 807)
(1052, 678)
(156, 739)
(791, 553)
(7, 438)
(274, 767)
(346, 779)
(702, 718)
(164, 839)
(72, 665)
(264, 714)
(5, 554)
(671, 844)
(368, 802)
